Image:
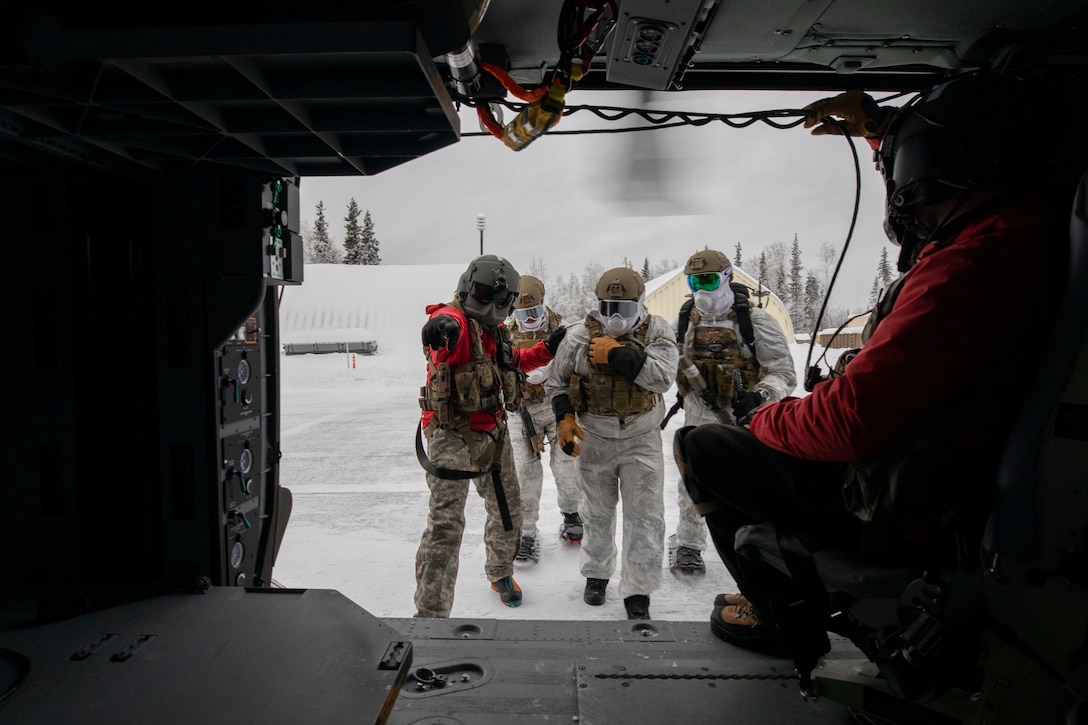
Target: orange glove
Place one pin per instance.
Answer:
(861, 116)
(599, 347)
(568, 431)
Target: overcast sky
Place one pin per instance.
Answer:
(576, 200)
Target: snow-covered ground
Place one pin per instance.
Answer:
(360, 497)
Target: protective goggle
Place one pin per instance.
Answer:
(529, 313)
(707, 282)
(485, 294)
(623, 308)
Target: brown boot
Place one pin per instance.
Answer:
(739, 625)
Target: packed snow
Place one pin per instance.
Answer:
(360, 497)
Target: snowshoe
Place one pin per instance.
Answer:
(529, 550)
(571, 530)
(684, 559)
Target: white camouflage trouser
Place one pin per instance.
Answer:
(440, 546)
(531, 470)
(630, 469)
(690, 527)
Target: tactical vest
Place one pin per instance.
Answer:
(716, 352)
(606, 391)
(533, 392)
(454, 391)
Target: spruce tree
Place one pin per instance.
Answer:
(353, 235)
(736, 256)
(796, 283)
(647, 275)
(322, 250)
(369, 243)
(813, 298)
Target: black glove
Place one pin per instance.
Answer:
(441, 331)
(745, 403)
(682, 320)
(552, 343)
(627, 360)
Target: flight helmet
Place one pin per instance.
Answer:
(620, 293)
(488, 288)
(974, 133)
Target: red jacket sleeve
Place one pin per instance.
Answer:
(532, 357)
(961, 314)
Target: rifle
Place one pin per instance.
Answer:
(672, 411)
(738, 384)
(536, 441)
(687, 367)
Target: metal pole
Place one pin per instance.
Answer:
(481, 222)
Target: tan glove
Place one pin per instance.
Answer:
(567, 432)
(861, 116)
(599, 347)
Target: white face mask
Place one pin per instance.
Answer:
(625, 316)
(715, 302)
(531, 319)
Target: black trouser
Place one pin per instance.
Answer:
(752, 483)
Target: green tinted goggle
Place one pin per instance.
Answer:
(708, 282)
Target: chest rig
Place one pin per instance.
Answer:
(716, 352)
(454, 391)
(607, 392)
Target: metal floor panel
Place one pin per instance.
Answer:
(597, 673)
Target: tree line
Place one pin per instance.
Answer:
(361, 245)
(779, 269)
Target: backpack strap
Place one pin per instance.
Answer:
(743, 311)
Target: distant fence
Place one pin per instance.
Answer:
(303, 348)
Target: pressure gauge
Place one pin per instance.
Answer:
(243, 371)
(245, 460)
(237, 553)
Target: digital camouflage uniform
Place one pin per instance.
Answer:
(439, 549)
(463, 419)
(528, 461)
(621, 456)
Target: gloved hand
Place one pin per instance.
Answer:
(745, 403)
(627, 360)
(552, 343)
(599, 347)
(861, 116)
(441, 331)
(567, 432)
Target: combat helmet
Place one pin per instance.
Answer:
(708, 274)
(529, 311)
(620, 292)
(488, 288)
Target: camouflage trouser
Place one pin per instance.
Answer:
(690, 527)
(568, 485)
(631, 469)
(440, 547)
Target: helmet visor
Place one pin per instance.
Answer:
(623, 308)
(529, 314)
(485, 294)
(708, 281)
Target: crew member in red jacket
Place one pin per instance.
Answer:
(897, 454)
(472, 363)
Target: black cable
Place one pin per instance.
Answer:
(810, 380)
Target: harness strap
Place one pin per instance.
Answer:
(742, 310)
